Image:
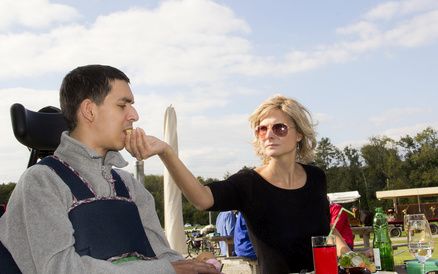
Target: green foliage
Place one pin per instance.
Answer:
(381, 164)
(154, 184)
(5, 192)
(424, 158)
(327, 155)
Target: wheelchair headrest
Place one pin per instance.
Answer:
(38, 130)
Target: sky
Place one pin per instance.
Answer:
(362, 68)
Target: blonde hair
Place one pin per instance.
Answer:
(301, 118)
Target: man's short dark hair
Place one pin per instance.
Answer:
(87, 82)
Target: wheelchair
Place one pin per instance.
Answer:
(41, 132)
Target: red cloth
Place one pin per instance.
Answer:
(343, 225)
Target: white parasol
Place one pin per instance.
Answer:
(173, 218)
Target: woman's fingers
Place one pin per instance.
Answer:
(141, 146)
(131, 144)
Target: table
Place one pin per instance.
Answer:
(229, 241)
(400, 269)
(236, 264)
(364, 232)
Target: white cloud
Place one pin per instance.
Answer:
(193, 48)
(208, 145)
(33, 14)
(419, 27)
(215, 146)
(383, 11)
(16, 154)
(395, 115)
(357, 144)
(199, 41)
(391, 9)
(363, 29)
(418, 31)
(179, 42)
(413, 130)
(395, 133)
(322, 118)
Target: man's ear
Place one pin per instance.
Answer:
(87, 109)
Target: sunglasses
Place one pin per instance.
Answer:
(278, 129)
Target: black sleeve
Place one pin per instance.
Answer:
(229, 193)
(321, 179)
(324, 182)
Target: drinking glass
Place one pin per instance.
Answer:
(325, 259)
(420, 243)
(407, 217)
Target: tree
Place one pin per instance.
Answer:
(154, 184)
(383, 166)
(327, 155)
(5, 192)
(355, 174)
(329, 158)
(422, 158)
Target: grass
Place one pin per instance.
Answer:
(401, 254)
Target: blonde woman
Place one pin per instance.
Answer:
(283, 200)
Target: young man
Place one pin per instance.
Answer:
(242, 243)
(72, 213)
(225, 223)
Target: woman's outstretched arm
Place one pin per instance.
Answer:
(143, 146)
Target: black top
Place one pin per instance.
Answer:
(280, 221)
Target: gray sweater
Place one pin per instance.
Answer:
(39, 235)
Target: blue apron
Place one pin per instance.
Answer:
(104, 228)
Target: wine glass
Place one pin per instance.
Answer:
(408, 217)
(420, 243)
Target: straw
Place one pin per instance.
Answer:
(337, 219)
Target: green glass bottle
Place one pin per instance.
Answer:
(382, 247)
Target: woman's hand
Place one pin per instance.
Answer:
(142, 146)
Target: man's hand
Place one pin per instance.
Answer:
(193, 267)
(142, 146)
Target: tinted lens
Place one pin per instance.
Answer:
(280, 130)
(261, 131)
